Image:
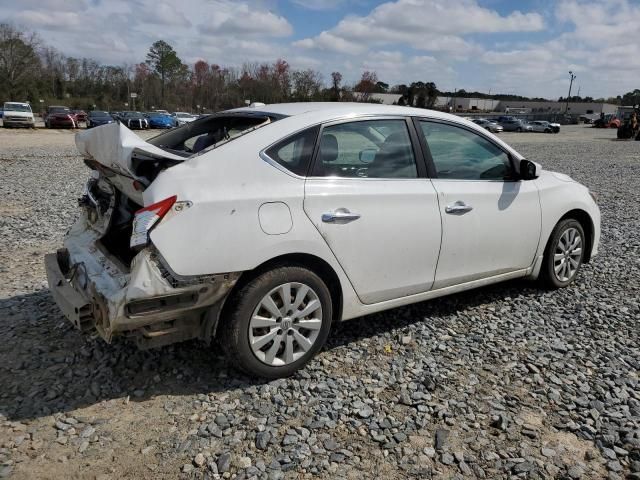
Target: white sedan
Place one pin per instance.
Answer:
(265, 225)
(544, 127)
(182, 118)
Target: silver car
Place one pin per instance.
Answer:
(489, 125)
(515, 125)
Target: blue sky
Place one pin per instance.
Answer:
(523, 47)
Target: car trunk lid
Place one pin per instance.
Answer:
(117, 157)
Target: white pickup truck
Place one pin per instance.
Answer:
(17, 114)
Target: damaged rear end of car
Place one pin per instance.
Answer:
(109, 277)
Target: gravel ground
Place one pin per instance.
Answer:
(502, 382)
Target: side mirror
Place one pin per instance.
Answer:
(528, 170)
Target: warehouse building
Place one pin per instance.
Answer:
(461, 104)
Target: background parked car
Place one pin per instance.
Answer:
(488, 125)
(511, 124)
(17, 114)
(183, 117)
(81, 115)
(95, 118)
(57, 116)
(133, 120)
(160, 120)
(544, 126)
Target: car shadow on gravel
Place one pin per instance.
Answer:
(48, 367)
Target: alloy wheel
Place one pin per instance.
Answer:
(285, 324)
(567, 254)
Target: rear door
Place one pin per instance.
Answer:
(369, 197)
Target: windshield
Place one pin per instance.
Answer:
(133, 115)
(16, 107)
(59, 110)
(96, 113)
(184, 115)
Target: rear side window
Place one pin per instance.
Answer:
(366, 149)
(294, 153)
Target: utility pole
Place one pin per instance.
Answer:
(573, 77)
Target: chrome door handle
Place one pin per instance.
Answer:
(340, 215)
(458, 208)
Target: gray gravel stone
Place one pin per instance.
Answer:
(262, 440)
(493, 373)
(224, 462)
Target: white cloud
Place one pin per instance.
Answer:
(166, 14)
(242, 19)
(422, 24)
(49, 20)
(600, 45)
(459, 43)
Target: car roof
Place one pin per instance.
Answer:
(329, 110)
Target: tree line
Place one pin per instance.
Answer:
(33, 71)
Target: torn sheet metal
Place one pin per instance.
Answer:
(111, 288)
(113, 146)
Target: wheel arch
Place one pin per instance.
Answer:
(587, 225)
(316, 264)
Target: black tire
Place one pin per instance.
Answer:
(548, 275)
(234, 330)
(519, 130)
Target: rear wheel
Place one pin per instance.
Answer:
(519, 130)
(277, 322)
(564, 254)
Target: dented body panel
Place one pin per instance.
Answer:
(124, 300)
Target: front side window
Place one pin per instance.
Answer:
(295, 153)
(366, 149)
(460, 154)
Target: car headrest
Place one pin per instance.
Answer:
(329, 148)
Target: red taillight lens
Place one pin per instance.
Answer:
(146, 218)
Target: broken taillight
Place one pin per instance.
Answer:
(146, 218)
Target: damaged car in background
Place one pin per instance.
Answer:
(262, 226)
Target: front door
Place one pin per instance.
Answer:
(491, 221)
(371, 202)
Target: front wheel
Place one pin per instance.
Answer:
(277, 322)
(564, 254)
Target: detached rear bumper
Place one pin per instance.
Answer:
(147, 301)
(74, 305)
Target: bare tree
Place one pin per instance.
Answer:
(18, 60)
(367, 85)
(336, 80)
(306, 84)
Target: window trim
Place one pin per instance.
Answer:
(421, 168)
(431, 166)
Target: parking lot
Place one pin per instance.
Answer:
(508, 380)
